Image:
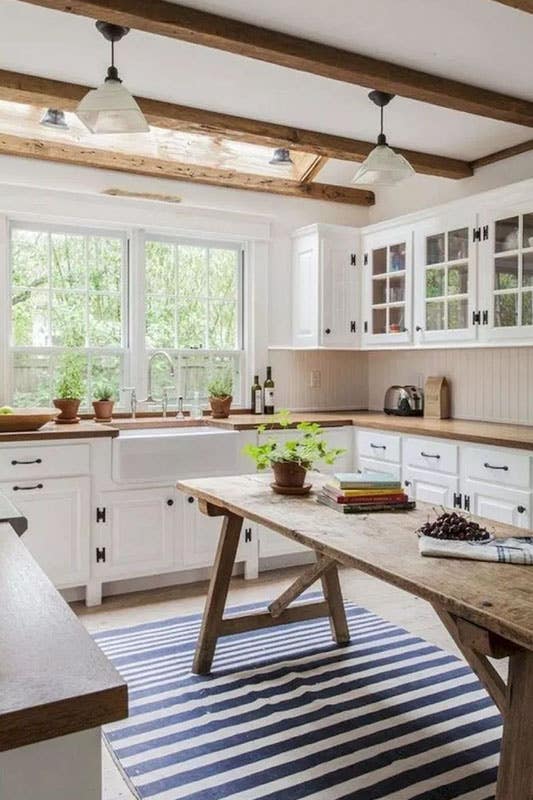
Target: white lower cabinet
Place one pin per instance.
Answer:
(58, 535)
(509, 506)
(135, 532)
(431, 487)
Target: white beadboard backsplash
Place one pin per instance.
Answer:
(343, 379)
(491, 384)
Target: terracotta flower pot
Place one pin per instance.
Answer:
(287, 473)
(103, 410)
(69, 410)
(220, 406)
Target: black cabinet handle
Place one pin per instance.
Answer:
(378, 446)
(429, 455)
(170, 502)
(407, 483)
(27, 488)
(521, 509)
(35, 461)
(190, 499)
(419, 328)
(491, 466)
(328, 330)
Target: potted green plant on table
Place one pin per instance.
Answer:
(103, 403)
(220, 390)
(291, 459)
(70, 389)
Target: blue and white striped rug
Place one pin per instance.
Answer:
(286, 715)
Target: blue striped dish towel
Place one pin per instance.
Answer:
(507, 551)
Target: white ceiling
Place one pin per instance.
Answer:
(477, 41)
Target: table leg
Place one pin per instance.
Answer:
(515, 775)
(337, 613)
(217, 594)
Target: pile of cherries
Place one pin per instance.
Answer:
(454, 526)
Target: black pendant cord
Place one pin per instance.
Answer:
(113, 63)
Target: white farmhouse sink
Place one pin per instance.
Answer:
(164, 455)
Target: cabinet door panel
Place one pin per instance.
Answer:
(378, 466)
(499, 503)
(199, 535)
(430, 487)
(339, 325)
(141, 532)
(58, 534)
(305, 288)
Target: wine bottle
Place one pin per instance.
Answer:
(268, 393)
(257, 396)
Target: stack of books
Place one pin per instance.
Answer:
(364, 491)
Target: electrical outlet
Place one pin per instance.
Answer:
(315, 379)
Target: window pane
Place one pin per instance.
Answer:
(192, 271)
(104, 258)
(457, 314)
(32, 380)
(160, 322)
(435, 249)
(379, 291)
(68, 320)
(223, 272)
(527, 239)
(379, 320)
(105, 370)
(435, 282)
(506, 272)
(29, 318)
(105, 328)
(527, 308)
(29, 258)
(160, 277)
(435, 316)
(69, 261)
(397, 257)
(192, 323)
(505, 310)
(458, 279)
(397, 319)
(396, 289)
(506, 234)
(527, 269)
(379, 261)
(222, 326)
(458, 244)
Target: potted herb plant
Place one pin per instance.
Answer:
(291, 459)
(103, 403)
(220, 391)
(70, 389)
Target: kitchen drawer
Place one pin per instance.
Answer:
(497, 466)
(379, 446)
(430, 454)
(44, 461)
(379, 466)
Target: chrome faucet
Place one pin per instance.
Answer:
(157, 354)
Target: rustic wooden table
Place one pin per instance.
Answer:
(486, 607)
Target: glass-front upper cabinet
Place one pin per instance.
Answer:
(506, 269)
(445, 279)
(388, 273)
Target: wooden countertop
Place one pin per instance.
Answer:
(86, 429)
(54, 680)
(499, 597)
(488, 433)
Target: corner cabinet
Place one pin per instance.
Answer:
(326, 287)
(387, 287)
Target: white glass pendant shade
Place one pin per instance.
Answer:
(111, 109)
(383, 167)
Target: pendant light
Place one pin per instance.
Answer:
(54, 118)
(383, 167)
(111, 108)
(281, 155)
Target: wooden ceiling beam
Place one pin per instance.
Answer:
(45, 92)
(500, 155)
(45, 150)
(233, 36)
(520, 5)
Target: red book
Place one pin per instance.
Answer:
(399, 497)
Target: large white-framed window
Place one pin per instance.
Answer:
(67, 292)
(114, 297)
(194, 310)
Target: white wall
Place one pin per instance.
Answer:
(423, 191)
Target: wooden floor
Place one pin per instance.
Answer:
(132, 609)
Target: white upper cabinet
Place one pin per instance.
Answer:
(325, 287)
(506, 272)
(445, 282)
(387, 291)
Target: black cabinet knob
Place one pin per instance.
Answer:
(328, 330)
(190, 499)
(407, 483)
(521, 509)
(418, 328)
(170, 502)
